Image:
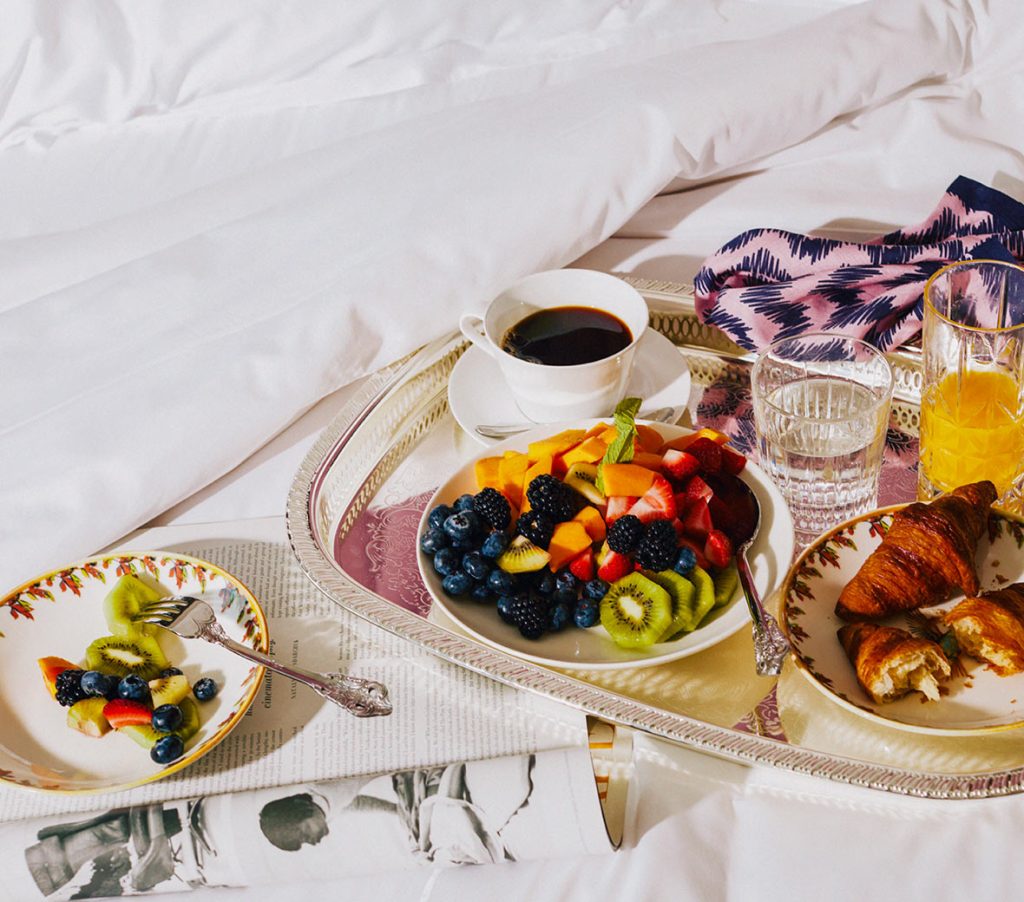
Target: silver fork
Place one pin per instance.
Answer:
(193, 618)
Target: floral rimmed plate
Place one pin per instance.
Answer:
(60, 613)
(975, 700)
(594, 649)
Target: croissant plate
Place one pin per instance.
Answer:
(891, 663)
(991, 628)
(927, 556)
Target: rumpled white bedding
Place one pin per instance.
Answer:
(216, 214)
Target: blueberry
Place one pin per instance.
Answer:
(566, 580)
(481, 592)
(167, 749)
(462, 526)
(167, 718)
(438, 515)
(169, 672)
(595, 590)
(464, 503)
(494, 544)
(474, 564)
(433, 540)
(505, 603)
(96, 683)
(546, 583)
(564, 596)
(446, 561)
(457, 583)
(133, 687)
(586, 613)
(558, 617)
(501, 583)
(204, 689)
(685, 562)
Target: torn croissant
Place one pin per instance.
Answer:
(991, 628)
(927, 556)
(891, 663)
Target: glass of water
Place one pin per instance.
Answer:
(821, 407)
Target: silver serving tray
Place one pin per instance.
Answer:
(352, 511)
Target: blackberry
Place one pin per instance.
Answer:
(551, 496)
(658, 549)
(492, 507)
(536, 526)
(625, 534)
(69, 687)
(530, 614)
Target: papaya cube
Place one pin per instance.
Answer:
(588, 451)
(52, 667)
(511, 470)
(648, 438)
(592, 522)
(608, 435)
(555, 444)
(647, 459)
(626, 479)
(486, 470)
(568, 540)
(596, 429)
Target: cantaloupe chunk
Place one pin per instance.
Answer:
(626, 479)
(568, 540)
(511, 470)
(486, 471)
(588, 451)
(592, 522)
(598, 428)
(542, 466)
(554, 445)
(648, 438)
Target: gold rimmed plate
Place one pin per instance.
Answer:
(974, 700)
(60, 614)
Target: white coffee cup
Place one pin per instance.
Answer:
(547, 394)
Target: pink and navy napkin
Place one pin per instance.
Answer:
(768, 284)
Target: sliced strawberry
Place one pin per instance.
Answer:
(123, 711)
(677, 525)
(698, 552)
(617, 506)
(708, 453)
(582, 566)
(679, 465)
(698, 488)
(615, 566)
(657, 503)
(718, 549)
(697, 521)
(733, 461)
(722, 516)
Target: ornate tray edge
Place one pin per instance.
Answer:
(315, 562)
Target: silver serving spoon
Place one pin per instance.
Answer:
(503, 430)
(741, 525)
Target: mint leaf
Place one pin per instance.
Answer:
(620, 451)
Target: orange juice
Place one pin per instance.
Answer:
(972, 428)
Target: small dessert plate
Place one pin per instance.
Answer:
(477, 392)
(60, 614)
(974, 700)
(593, 648)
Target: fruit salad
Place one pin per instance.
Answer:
(611, 525)
(126, 684)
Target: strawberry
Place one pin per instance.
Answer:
(698, 553)
(697, 520)
(733, 461)
(679, 465)
(617, 506)
(718, 549)
(122, 711)
(657, 503)
(615, 566)
(708, 453)
(582, 566)
(698, 488)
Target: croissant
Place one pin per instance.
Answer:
(927, 555)
(991, 628)
(891, 663)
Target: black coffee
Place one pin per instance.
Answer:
(567, 336)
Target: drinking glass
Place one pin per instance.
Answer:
(821, 407)
(972, 397)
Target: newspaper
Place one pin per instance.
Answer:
(463, 770)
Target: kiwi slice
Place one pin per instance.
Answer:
(685, 613)
(142, 733)
(726, 582)
(583, 478)
(705, 587)
(123, 655)
(124, 601)
(169, 690)
(636, 611)
(189, 719)
(522, 556)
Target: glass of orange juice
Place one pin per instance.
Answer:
(972, 397)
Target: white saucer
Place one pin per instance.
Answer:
(477, 392)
